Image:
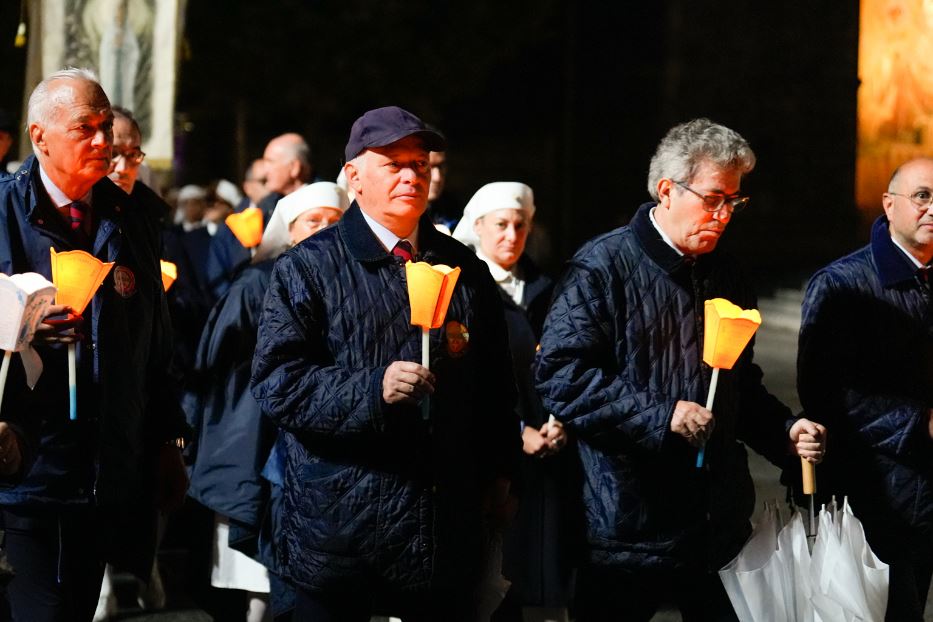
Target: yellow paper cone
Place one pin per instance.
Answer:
(247, 226)
(77, 275)
(429, 291)
(728, 329)
(169, 273)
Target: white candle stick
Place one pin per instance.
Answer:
(4, 369)
(710, 398)
(72, 383)
(426, 363)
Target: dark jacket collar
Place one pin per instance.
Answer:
(654, 245)
(107, 201)
(893, 266)
(365, 246)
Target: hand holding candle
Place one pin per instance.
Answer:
(77, 275)
(430, 289)
(727, 330)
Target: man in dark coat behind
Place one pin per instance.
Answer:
(621, 365)
(385, 509)
(87, 491)
(865, 368)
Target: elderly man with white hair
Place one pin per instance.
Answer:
(385, 508)
(497, 222)
(80, 492)
(234, 440)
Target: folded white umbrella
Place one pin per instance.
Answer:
(774, 578)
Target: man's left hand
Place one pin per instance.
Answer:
(172, 479)
(809, 439)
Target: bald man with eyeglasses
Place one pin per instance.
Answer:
(865, 368)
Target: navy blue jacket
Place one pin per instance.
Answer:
(374, 495)
(233, 439)
(127, 407)
(865, 369)
(622, 343)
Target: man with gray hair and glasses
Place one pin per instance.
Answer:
(620, 364)
(865, 367)
(78, 491)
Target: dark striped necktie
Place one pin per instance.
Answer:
(77, 212)
(403, 249)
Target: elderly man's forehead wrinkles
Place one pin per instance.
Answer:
(404, 146)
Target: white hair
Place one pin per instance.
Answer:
(686, 146)
(42, 101)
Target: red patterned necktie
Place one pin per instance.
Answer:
(76, 213)
(403, 249)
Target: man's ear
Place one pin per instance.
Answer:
(37, 136)
(294, 169)
(887, 202)
(665, 187)
(352, 172)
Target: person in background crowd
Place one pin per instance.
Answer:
(127, 156)
(497, 222)
(83, 492)
(234, 440)
(222, 199)
(443, 208)
(620, 364)
(865, 369)
(384, 509)
(187, 244)
(254, 185)
(286, 167)
(7, 138)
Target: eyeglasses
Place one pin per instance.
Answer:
(921, 199)
(714, 202)
(134, 157)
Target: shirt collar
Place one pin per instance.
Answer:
(386, 237)
(59, 198)
(664, 236)
(499, 274)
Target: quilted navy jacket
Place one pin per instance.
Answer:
(375, 495)
(865, 369)
(622, 344)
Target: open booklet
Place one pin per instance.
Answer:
(24, 299)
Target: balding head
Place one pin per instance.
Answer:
(288, 163)
(71, 128)
(908, 207)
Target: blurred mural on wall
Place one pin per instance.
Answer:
(131, 44)
(895, 98)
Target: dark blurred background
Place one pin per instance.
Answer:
(569, 97)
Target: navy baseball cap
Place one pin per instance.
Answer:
(384, 126)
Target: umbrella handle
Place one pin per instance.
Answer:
(710, 398)
(808, 471)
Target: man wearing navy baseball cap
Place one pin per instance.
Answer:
(385, 509)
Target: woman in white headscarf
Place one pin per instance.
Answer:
(496, 223)
(234, 440)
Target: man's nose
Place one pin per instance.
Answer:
(410, 175)
(724, 213)
(101, 139)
